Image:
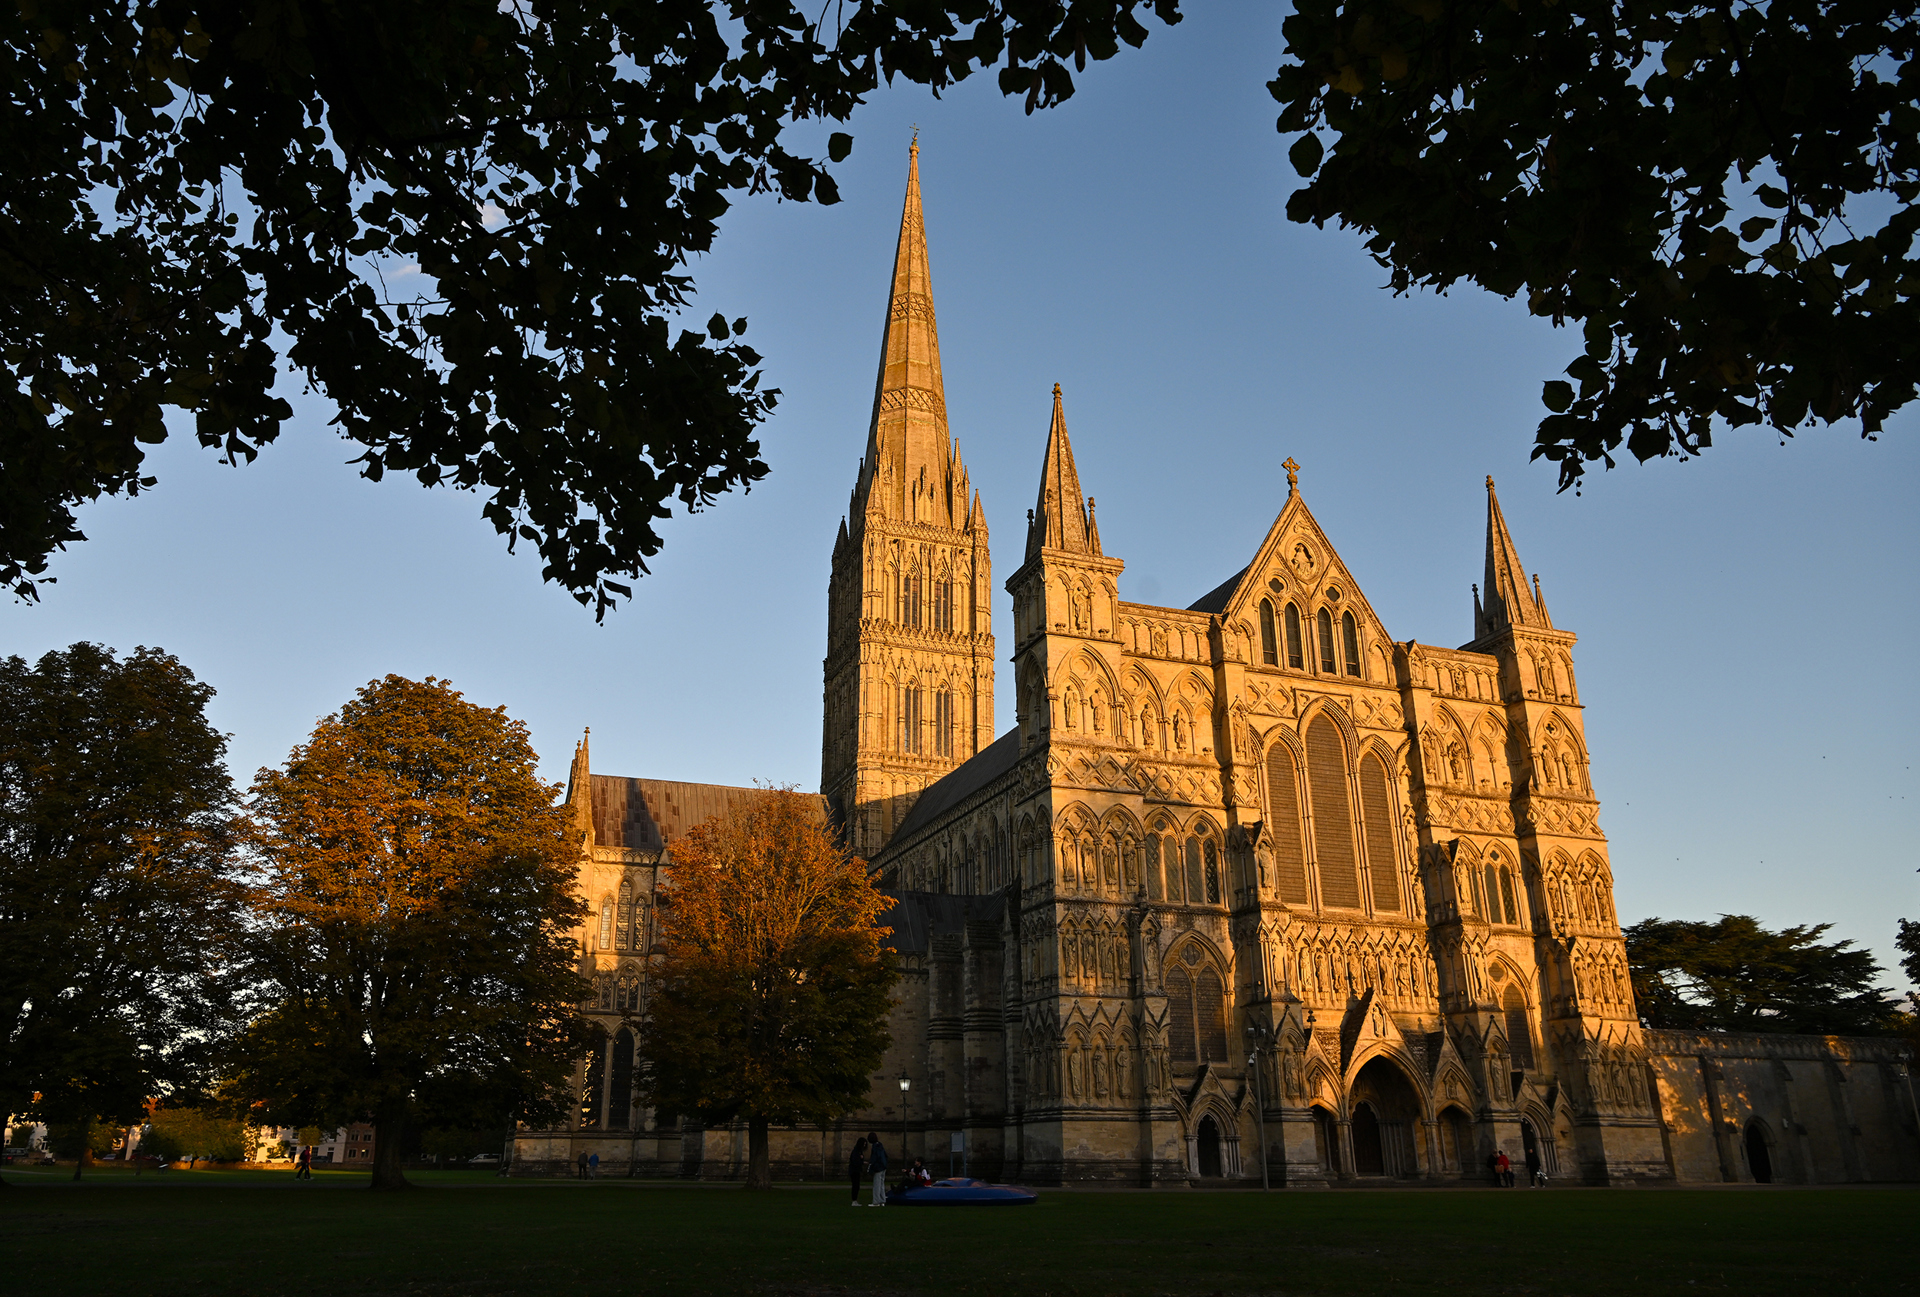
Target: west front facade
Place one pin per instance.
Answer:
(1247, 886)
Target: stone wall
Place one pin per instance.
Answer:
(1784, 1109)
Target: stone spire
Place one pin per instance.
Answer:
(1061, 519)
(911, 464)
(1508, 602)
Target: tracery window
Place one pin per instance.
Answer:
(1196, 1010)
(1324, 624)
(606, 923)
(1196, 879)
(1493, 894)
(1507, 899)
(1155, 891)
(1269, 649)
(1211, 851)
(624, 916)
(1350, 641)
(1295, 659)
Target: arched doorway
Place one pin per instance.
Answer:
(1530, 1150)
(1367, 1158)
(1394, 1108)
(1208, 1149)
(1759, 1156)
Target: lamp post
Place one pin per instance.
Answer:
(906, 1083)
(1260, 1037)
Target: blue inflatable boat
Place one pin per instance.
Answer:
(962, 1193)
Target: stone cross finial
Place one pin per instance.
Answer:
(1056, 391)
(1489, 481)
(1293, 474)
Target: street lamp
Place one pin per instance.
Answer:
(1258, 1034)
(906, 1083)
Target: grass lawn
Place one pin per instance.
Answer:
(464, 1232)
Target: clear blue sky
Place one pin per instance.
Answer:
(1747, 620)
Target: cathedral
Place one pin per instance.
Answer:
(1248, 889)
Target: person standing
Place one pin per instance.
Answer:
(583, 1164)
(1503, 1169)
(857, 1166)
(593, 1166)
(877, 1167)
(1533, 1166)
(303, 1170)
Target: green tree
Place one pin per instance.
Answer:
(415, 898)
(466, 223)
(771, 998)
(200, 1132)
(1721, 195)
(117, 888)
(1734, 975)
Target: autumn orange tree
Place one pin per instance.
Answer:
(414, 900)
(772, 991)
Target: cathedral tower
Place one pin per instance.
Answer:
(909, 666)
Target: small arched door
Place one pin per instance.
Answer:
(1208, 1149)
(1367, 1156)
(1759, 1156)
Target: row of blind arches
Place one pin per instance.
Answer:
(1335, 856)
(1337, 656)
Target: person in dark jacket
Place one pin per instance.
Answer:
(877, 1166)
(857, 1166)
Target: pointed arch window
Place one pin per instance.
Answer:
(606, 923)
(1196, 880)
(1210, 851)
(1196, 1012)
(1269, 647)
(1507, 899)
(1492, 911)
(624, 918)
(909, 719)
(943, 605)
(1350, 643)
(943, 723)
(591, 1088)
(620, 1086)
(1332, 814)
(1324, 625)
(1376, 813)
(1295, 656)
(1283, 819)
(1519, 1030)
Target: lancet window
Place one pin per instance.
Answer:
(1324, 624)
(1196, 1011)
(620, 1091)
(1269, 647)
(1295, 656)
(1519, 1030)
(1350, 642)
(1332, 815)
(909, 717)
(1376, 811)
(1283, 818)
(623, 925)
(943, 723)
(606, 923)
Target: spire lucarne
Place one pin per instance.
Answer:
(909, 666)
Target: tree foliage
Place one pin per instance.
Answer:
(117, 889)
(198, 1132)
(466, 223)
(771, 997)
(1721, 194)
(414, 904)
(1734, 975)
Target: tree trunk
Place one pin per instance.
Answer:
(80, 1160)
(759, 1164)
(389, 1138)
